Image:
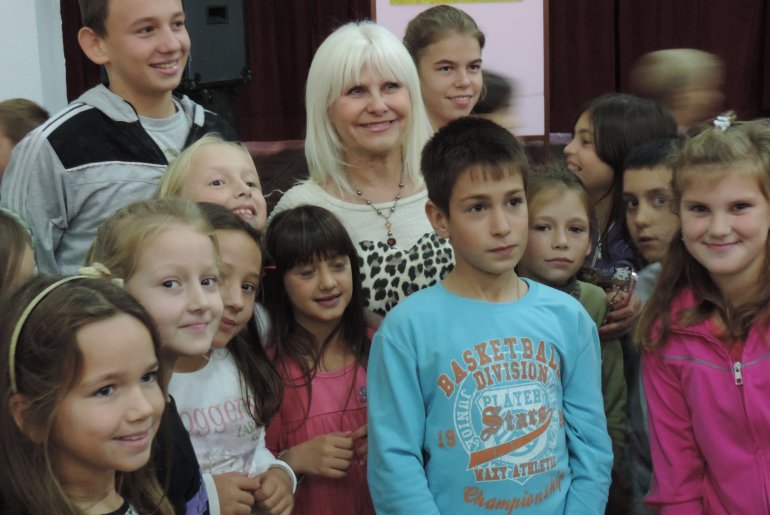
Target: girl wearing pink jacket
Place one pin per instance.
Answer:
(706, 331)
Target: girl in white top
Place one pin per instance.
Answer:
(227, 397)
(165, 253)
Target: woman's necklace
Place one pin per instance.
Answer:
(381, 211)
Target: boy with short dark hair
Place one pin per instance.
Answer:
(109, 147)
(484, 391)
(652, 224)
(647, 197)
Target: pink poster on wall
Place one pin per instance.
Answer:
(515, 47)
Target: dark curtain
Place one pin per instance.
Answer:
(594, 44)
(766, 71)
(81, 73)
(582, 56)
(282, 38)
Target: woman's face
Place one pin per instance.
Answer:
(371, 117)
(450, 76)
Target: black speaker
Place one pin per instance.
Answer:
(218, 52)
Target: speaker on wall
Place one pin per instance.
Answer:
(218, 55)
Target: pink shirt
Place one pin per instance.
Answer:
(335, 407)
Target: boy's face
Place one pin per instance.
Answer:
(647, 197)
(145, 48)
(487, 224)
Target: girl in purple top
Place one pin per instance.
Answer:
(608, 128)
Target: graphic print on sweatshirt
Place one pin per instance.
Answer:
(506, 410)
(223, 433)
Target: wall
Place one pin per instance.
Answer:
(31, 52)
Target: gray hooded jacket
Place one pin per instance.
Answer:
(86, 162)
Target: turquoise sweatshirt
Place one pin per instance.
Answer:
(478, 407)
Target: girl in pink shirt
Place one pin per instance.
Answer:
(320, 345)
(706, 368)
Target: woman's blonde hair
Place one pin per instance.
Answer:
(336, 66)
(121, 239)
(173, 180)
(743, 148)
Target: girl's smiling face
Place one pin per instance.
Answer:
(582, 159)
(106, 423)
(319, 292)
(224, 175)
(725, 224)
(450, 76)
(241, 265)
(175, 280)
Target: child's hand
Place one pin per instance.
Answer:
(620, 320)
(362, 447)
(274, 493)
(236, 493)
(326, 455)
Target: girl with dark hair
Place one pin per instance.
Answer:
(81, 400)
(320, 345)
(236, 373)
(608, 128)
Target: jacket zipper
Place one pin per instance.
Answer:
(738, 374)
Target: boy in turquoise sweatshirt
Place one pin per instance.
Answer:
(484, 390)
